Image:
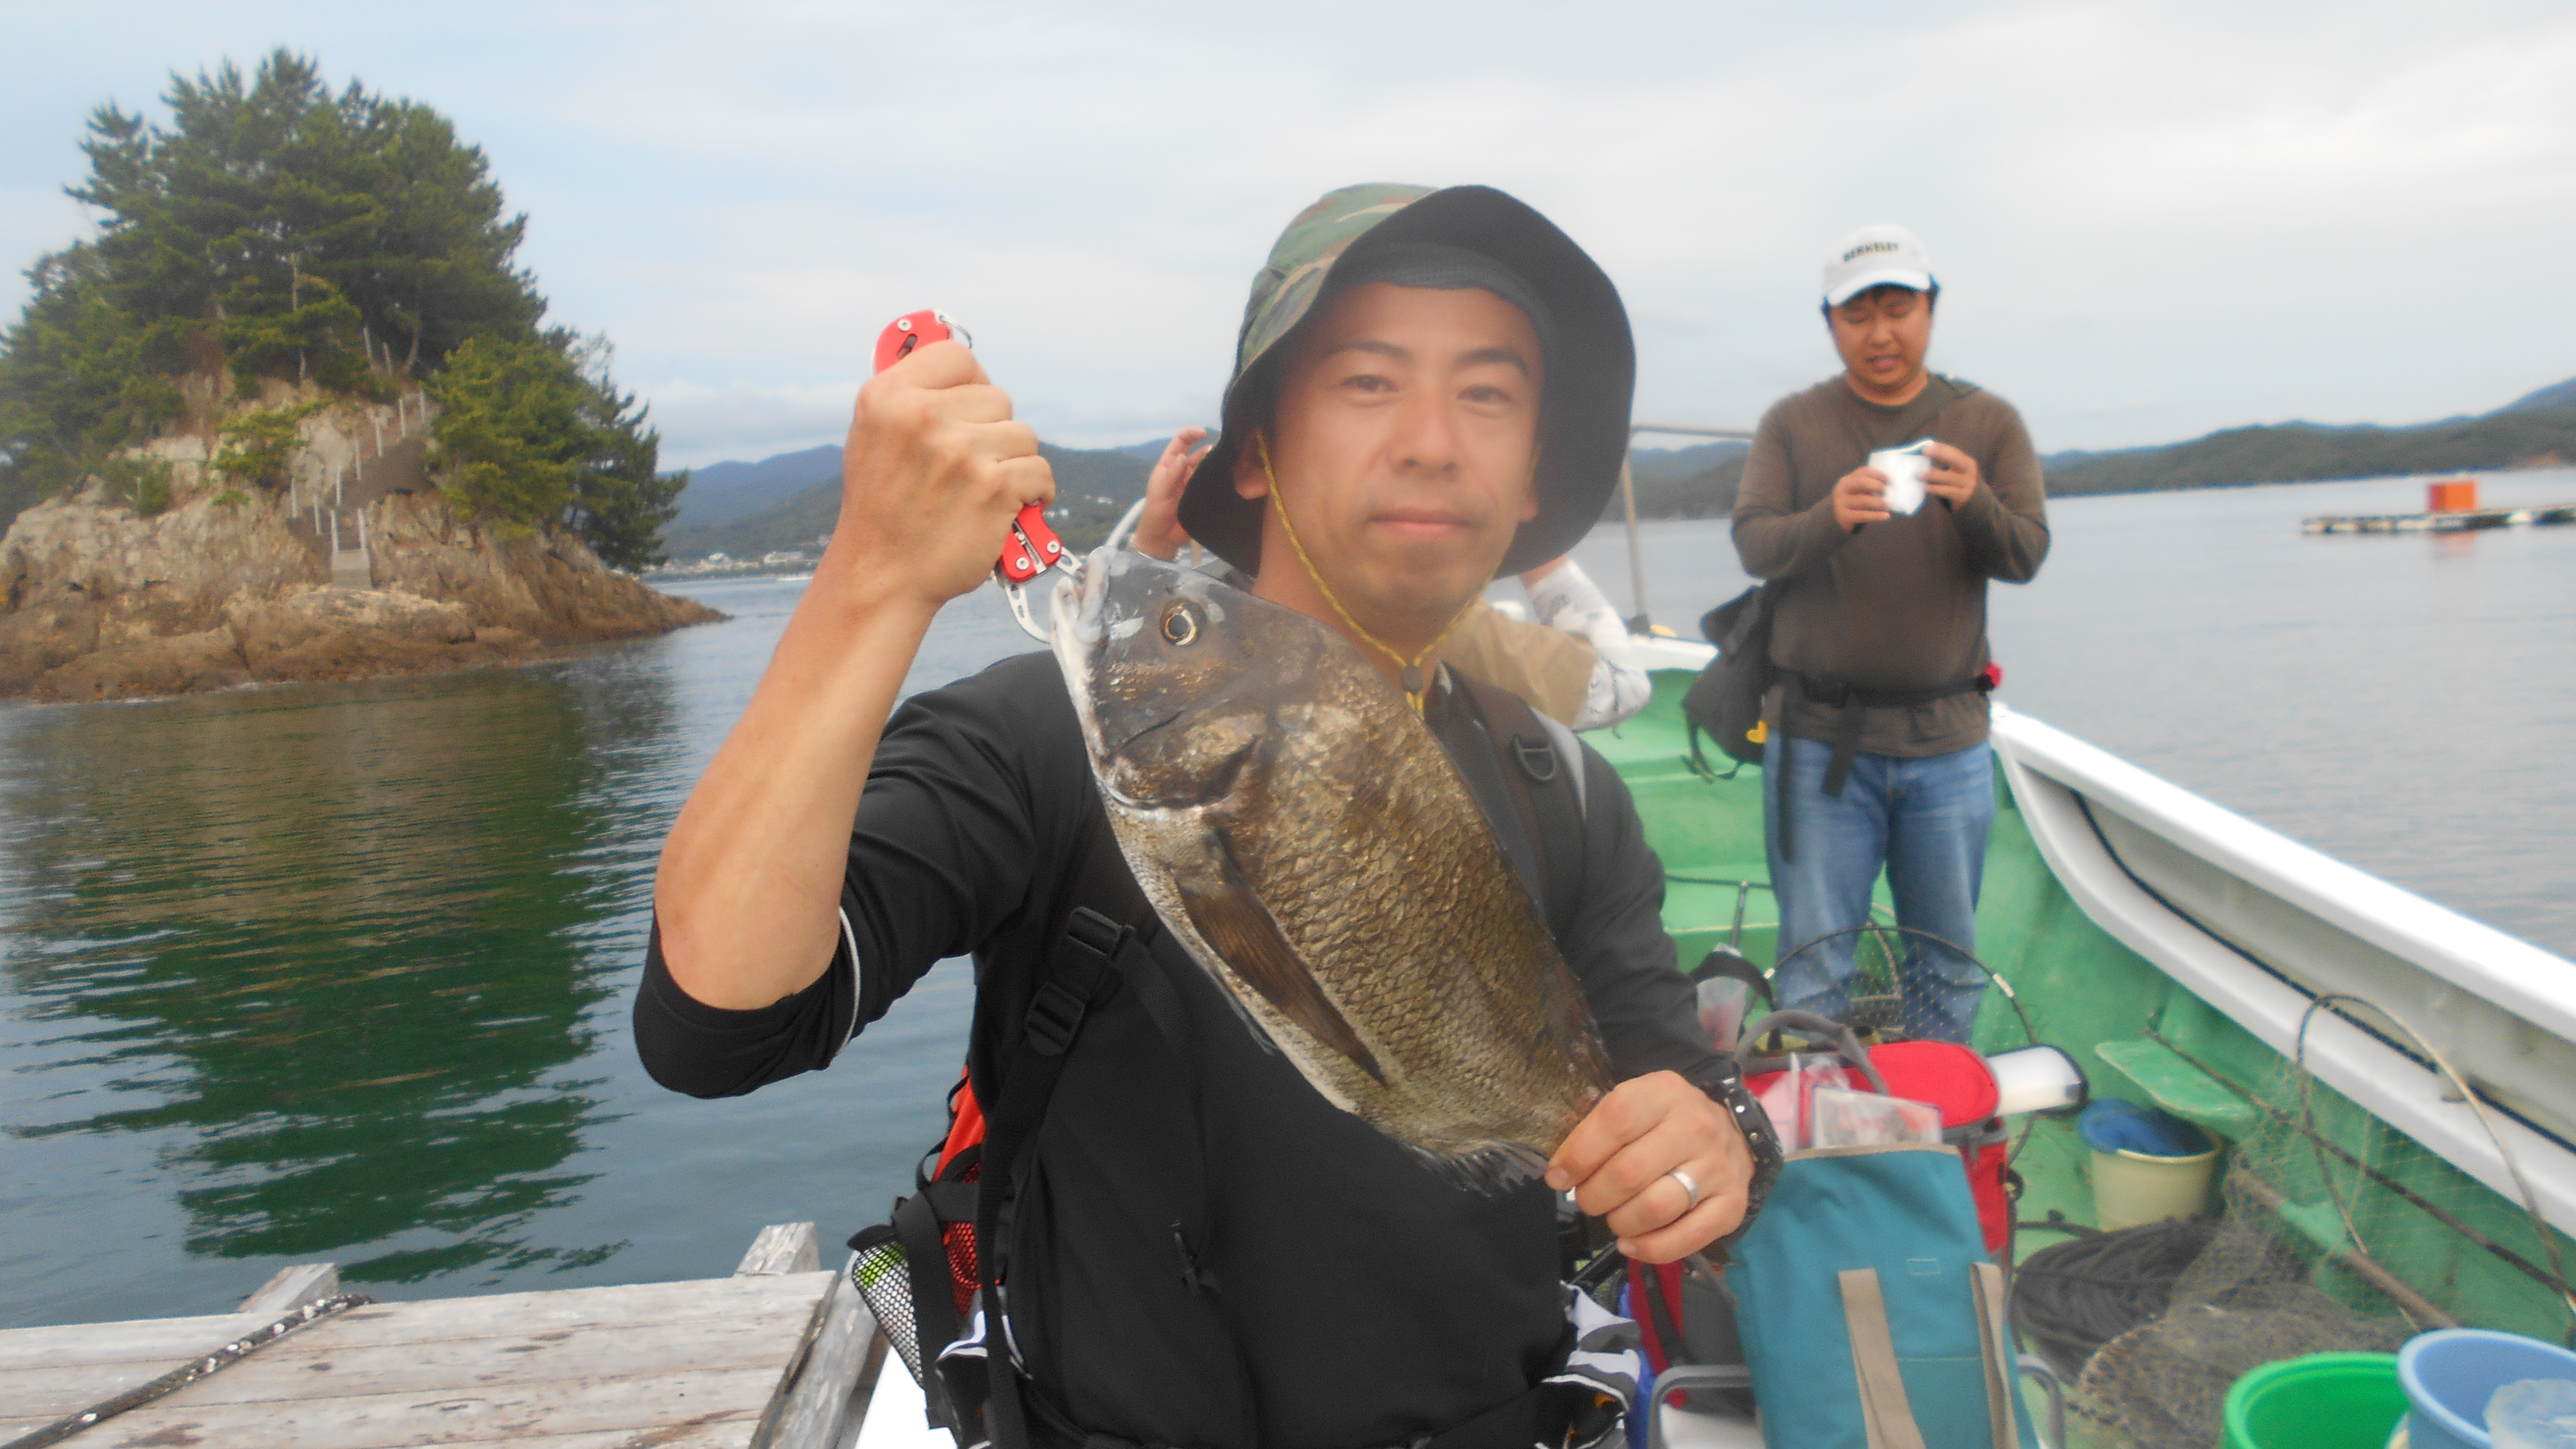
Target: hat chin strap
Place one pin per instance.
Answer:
(1417, 689)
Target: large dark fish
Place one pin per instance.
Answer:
(1305, 835)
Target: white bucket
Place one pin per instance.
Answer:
(2132, 1188)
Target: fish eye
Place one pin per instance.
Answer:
(1181, 625)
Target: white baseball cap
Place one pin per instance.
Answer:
(1882, 255)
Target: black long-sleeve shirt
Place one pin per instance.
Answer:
(1363, 1300)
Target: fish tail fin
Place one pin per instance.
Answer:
(1487, 1168)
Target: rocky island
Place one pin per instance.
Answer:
(292, 412)
(99, 601)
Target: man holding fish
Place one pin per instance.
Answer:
(1882, 500)
(1296, 1180)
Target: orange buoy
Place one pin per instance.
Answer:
(2452, 495)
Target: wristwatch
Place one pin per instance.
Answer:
(1725, 1086)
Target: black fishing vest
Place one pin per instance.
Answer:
(1192, 1242)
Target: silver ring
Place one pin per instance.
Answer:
(1688, 1185)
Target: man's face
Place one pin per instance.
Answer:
(1882, 335)
(1404, 441)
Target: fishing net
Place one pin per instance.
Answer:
(2242, 1300)
(1907, 983)
(2336, 1233)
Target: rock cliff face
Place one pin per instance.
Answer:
(97, 603)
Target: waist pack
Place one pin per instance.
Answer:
(1855, 703)
(1725, 701)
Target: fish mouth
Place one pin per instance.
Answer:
(1074, 630)
(1074, 610)
(1117, 776)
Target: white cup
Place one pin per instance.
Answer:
(1904, 469)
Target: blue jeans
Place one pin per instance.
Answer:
(1926, 820)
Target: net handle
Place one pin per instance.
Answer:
(1845, 1042)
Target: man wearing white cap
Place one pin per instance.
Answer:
(1880, 502)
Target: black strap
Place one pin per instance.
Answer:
(1777, 781)
(1541, 785)
(1663, 1313)
(1082, 978)
(917, 1225)
(1100, 949)
(1855, 704)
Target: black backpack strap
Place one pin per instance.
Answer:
(1100, 951)
(1543, 771)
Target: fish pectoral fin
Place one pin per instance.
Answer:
(1241, 929)
(1491, 1168)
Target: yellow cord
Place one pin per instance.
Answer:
(1417, 688)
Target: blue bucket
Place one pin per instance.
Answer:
(2450, 1374)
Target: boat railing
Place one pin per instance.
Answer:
(1641, 622)
(2262, 927)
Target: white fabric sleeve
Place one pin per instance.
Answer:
(1568, 599)
(850, 943)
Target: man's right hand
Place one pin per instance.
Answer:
(934, 470)
(1860, 496)
(748, 895)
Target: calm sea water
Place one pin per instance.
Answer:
(342, 972)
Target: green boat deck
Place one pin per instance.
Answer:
(2139, 1035)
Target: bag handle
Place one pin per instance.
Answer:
(1994, 1339)
(1846, 1044)
(1886, 1415)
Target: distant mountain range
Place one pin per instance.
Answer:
(723, 492)
(2535, 430)
(793, 500)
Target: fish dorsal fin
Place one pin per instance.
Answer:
(1229, 915)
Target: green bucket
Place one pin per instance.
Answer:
(2323, 1401)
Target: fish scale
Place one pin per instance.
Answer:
(1307, 839)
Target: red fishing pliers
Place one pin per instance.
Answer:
(1031, 548)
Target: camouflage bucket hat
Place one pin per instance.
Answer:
(1592, 371)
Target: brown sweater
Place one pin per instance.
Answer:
(1901, 604)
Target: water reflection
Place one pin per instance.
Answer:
(335, 938)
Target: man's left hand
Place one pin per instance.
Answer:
(1952, 476)
(1620, 1159)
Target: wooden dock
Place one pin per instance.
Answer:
(2468, 520)
(782, 1355)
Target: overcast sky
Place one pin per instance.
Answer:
(2149, 219)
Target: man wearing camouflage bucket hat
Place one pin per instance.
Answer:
(1430, 387)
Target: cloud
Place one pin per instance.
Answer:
(702, 424)
(2151, 219)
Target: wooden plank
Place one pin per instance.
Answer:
(307, 1365)
(673, 1404)
(175, 1339)
(168, 1340)
(822, 1402)
(675, 1436)
(505, 1315)
(291, 1288)
(782, 1248)
(689, 1365)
